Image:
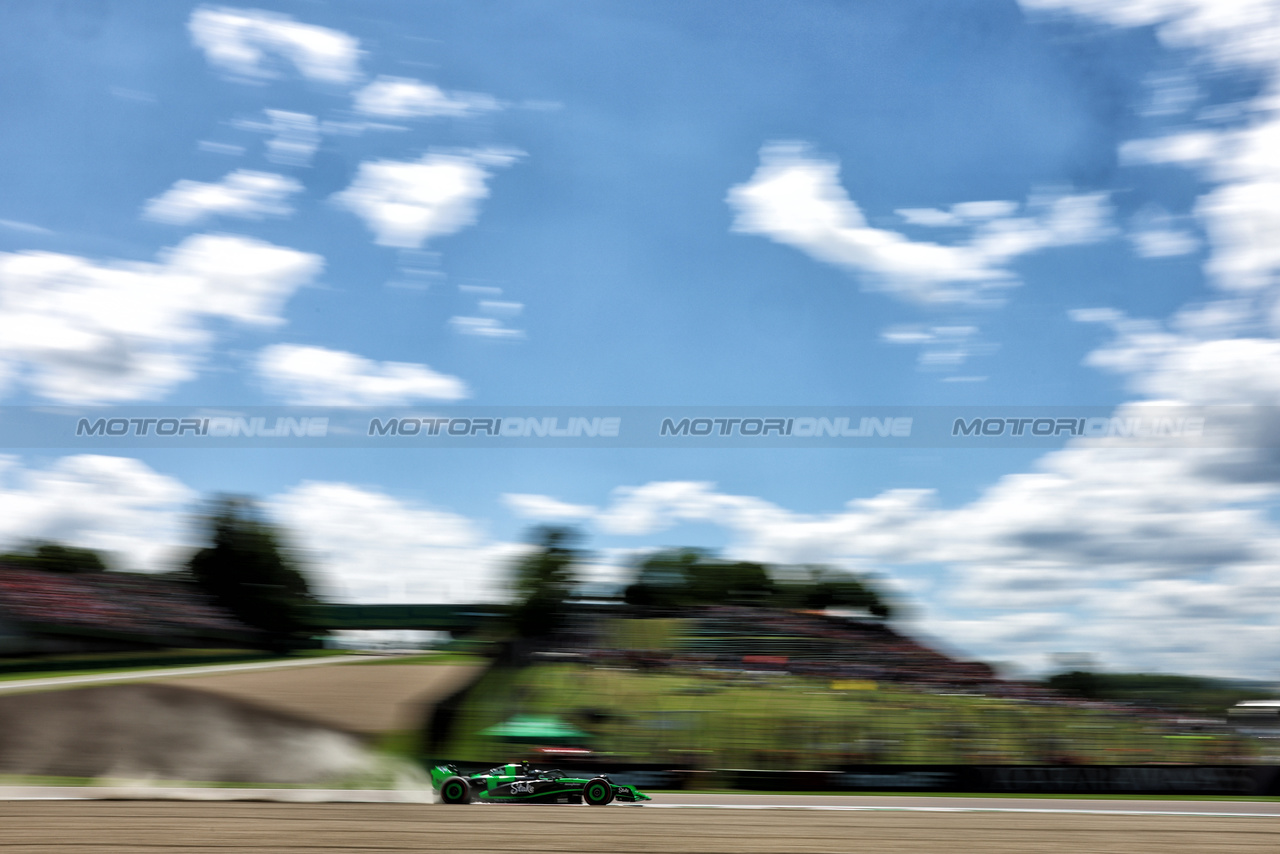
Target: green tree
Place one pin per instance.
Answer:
(246, 570)
(833, 588)
(55, 557)
(684, 578)
(543, 582)
(717, 582)
(662, 580)
(1077, 683)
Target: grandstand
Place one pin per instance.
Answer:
(802, 642)
(49, 612)
(815, 642)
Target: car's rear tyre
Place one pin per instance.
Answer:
(597, 792)
(455, 790)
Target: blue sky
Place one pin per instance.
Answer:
(946, 203)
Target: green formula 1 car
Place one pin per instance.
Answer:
(518, 784)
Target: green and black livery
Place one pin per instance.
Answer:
(517, 783)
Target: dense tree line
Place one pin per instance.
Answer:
(1193, 694)
(684, 578)
(55, 557)
(675, 580)
(245, 568)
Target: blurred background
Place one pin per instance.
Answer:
(216, 209)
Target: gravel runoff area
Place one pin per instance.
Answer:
(125, 827)
(349, 692)
(249, 724)
(364, 697)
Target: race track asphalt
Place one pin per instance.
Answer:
(1269, 808)
(126, 827)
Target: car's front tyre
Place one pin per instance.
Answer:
(455, 790)
(597, 792)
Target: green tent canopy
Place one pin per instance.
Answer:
(535, 728)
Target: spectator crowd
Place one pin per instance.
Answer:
(115, 604)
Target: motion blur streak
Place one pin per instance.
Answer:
(163, 732)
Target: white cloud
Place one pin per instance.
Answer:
(79, 331)
(1156, 234)
(1090, 542)
(484, 327)
(1163, 242)
(1189, 148)
(960, 214)
(984, 210)
(114, 504)
(930, 217)
(294, 137)
(942, 346)
(1171, 94)
(544, 507)
(501, 308)
(1191, 366)
(907, 335)
(319, 376)
(25, 227)
(211, 147)
(367, 546)
(407, 203)
(1129, 554)
(1230, 33)
(1241, 216)
(240, 278)
(1159, 558)
(495, 312)
(1242, 220)
(795, 198)
(242, 193)
(656, 506)
(297, 136)
(360, 544)
(404, 98)
(249, 43)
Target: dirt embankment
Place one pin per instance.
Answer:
(365, 698)
(142, 731)
(298, 725)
